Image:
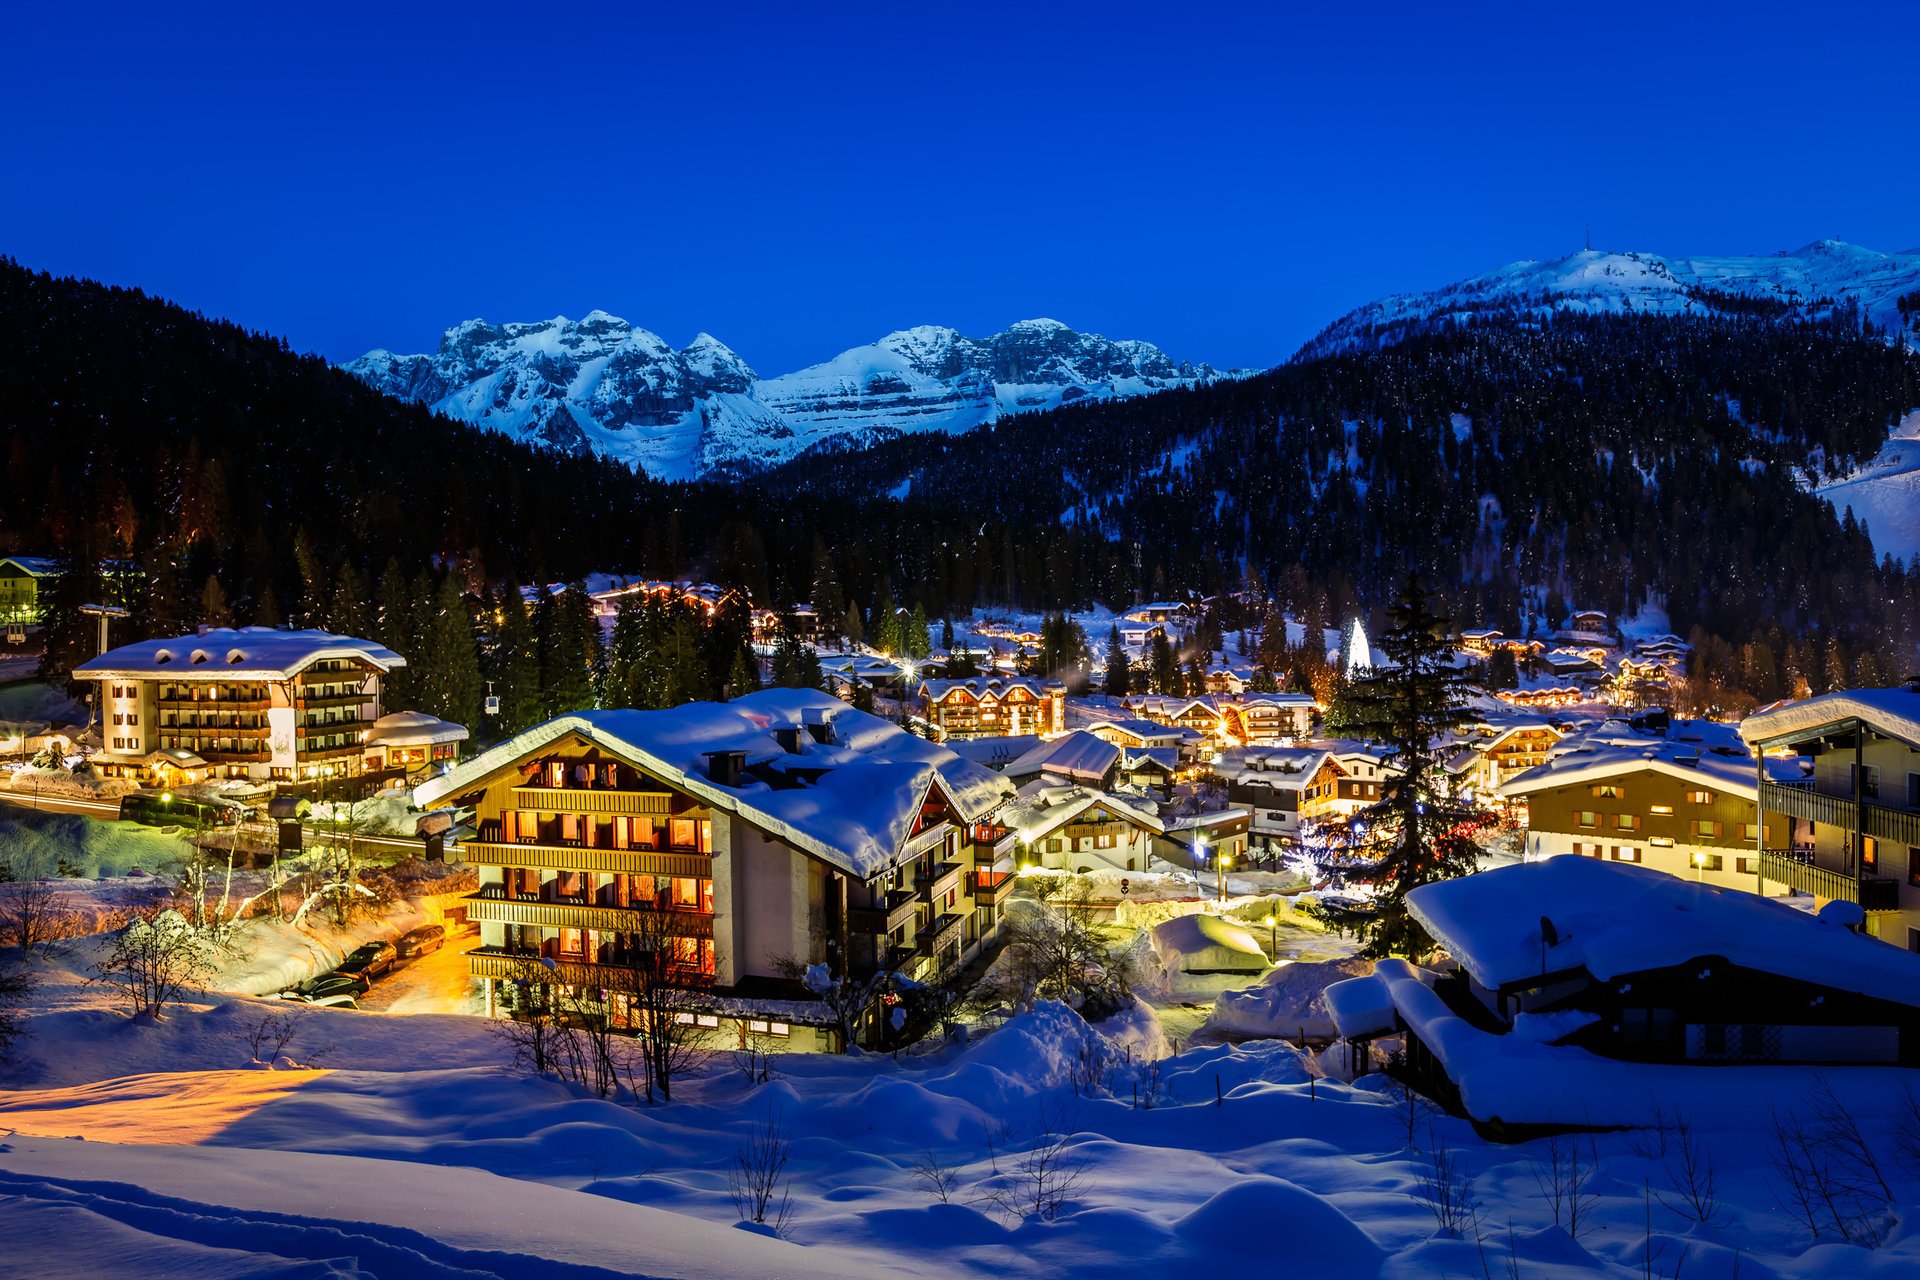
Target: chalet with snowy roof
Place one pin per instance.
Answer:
(1137, 734)
(1268, 717)
(1207, 840)
(1855, 818)
(1202, 715)
(991, 706)
(1562, 695)
(1677, 797)
(1281, 788)
(1496, 752)
(1073, 757)
(1070, 827)
(1481, 640)
(22, 580)
(1587, 621)
(782, 826)
(1150, 769)
(994, 753)
(1627, 963)
(412, 742)
(239, 702)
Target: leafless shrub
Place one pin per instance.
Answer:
(1840, 1133)
(1412, 1110)
(1825, 1192)
(1692, 1181)
(154, 960)
(1652, 1262)
(30, 918)
(1562, 1177)
(754, 1060)
(1906, 1132)
(1045, 1176)
(1445, 1187)
(16, 984)
(758, 1179)
(1000, 1138)
(939, 1178)
(269, 1034)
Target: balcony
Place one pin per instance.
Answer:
(931, 838)
(944, 929)
(529, 966)
(894, 912)
(1895, 826)
(933, 886)
(557, 857)
(990, 888)
(581, 800)
(1797, 871)
(214, 704)
(493, 906)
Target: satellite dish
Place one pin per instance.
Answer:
(1549, 934)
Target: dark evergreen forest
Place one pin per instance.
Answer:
(1518, 465)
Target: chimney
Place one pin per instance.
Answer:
(724, 767)
(820, 725)
(789, 738)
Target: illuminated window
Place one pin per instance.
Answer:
(1607, 791)
(1699, 797)
(1662, 810)
(1587, 818)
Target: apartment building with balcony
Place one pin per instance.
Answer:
(781, 828)
(1854, 820)
(994, 706)
(238, 702)
(1678, 797)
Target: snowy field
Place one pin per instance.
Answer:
(1177, 1138)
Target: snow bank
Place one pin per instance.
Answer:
(1292, 999)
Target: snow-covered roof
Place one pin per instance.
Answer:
(34, 566)
(178, 757)
(414, 729)
(1363, 1006)
(1701, 751)
(1206, 944)
(851, 801)
(1613, 919)
(1142, 729)
(1079, 755)
(1892, 712)
(1167, 758)
(234, 653)
(1042, 807)
(1274, 700)
(996, 752)
(981, 686)
(1285, 768)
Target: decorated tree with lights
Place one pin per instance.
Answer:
(1417, 833)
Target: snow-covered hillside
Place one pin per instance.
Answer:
(1885, 494)
(602, 385)
(1815, 277)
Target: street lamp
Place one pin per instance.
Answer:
(1273, 936)
(1220, 875)
(1699, 867)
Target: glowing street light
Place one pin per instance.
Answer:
(1273, 936)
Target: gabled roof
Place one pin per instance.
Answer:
(1697, 751)
(851, 802)
(234, 653)
(1079, 755)
(414, 729)
(980, 687)
(34, 566)
(1613, 919)
(1283, 768)
(1040, 810)
(1893, 713)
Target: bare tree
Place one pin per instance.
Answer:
(754, 1059)
(1693, 1182)
(1823, 1191)
(152, 961)
(939, 1178)
(1562, 1176)
(30, 916)
(1445, 1187)
(536, 1031)
(1058, 952)
(269, 1034)
(664, 1013)
(1045, 1177)
(16, 984)
(758, 1179)
(846, 997)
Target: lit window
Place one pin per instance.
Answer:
(1661, 842)
(1699, 797)
(1663, 810)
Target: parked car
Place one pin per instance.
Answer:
(369, 961)
(330, 988)
(425, 940)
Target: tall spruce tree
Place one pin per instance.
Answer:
(1119, 681)
(1417, 832)
(515, 666)
(450, 684)
(348, 612)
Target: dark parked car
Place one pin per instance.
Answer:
(425, 940)
(334, 989)
(369, 961)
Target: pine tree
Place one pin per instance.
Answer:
(395, 627)
(1418, 833)
(745, 676)
(450, 684)
(916, 642)
(214, 609)
(626, 652)
(1119, 682)
(516, 666)
(829, 604)
(348, 613)
(946, 635)
(310, 608)
(1163, 666)
(851, 627)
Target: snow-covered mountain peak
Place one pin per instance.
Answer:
(1810, 279)
(601, 384)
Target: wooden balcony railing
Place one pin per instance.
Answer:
(922, 841)
(1895, 826)
(528, 966)
(990, 888)
(894, 913)
(553, 857)
(497, 909)
(933, 886)
(583, 800)
(1793, 868)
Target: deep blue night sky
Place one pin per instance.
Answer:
(1221, 181)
